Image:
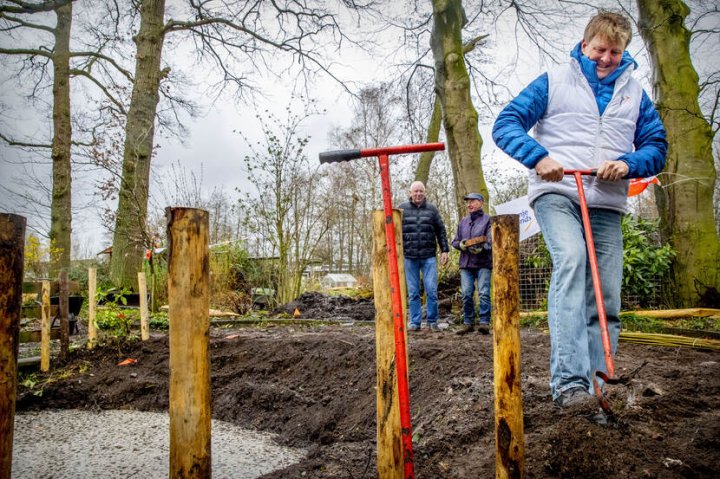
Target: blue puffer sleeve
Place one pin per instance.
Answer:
(650, 142)
(516, 119)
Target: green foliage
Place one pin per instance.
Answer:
(641, 324)
(539, 257)
(232, 273)
(31, 382)
(643, 259)
(112, 317)
(157, 278)
(534, 321)
(710, 323)
(160, 321)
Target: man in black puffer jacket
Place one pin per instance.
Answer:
(423, 230)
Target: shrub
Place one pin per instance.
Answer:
(644, 259)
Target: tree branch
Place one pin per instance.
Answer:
(83, 73)
(26, 7)
(26, 51)
(23, 144)
(108, 59)
(23, 23)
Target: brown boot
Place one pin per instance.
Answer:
(467, 328)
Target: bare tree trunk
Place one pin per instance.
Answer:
(129, 239)
(433, 131)
(426, 157)
(452, 85)
(686, 204)
(61, 205)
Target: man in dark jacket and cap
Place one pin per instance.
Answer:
(423, 230)
(474, 241)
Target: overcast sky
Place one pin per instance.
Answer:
(214, 145)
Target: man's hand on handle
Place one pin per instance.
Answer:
(613, 170)
(443, 258)
(549, 169)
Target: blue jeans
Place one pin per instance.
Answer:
(576, 350)
(467, 285)
(413, 268)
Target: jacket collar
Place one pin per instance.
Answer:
(588, 67)
(476, 214)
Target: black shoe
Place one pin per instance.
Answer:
(434, 327)
(575, 398)
(483, 328)
(468, 328)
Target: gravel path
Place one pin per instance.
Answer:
(130, 444)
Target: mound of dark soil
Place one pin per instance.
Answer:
(315, 387)
(316, 305)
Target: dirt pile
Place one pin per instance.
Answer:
(316, 305)
(315, 387)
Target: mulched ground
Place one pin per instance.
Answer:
(315, 387)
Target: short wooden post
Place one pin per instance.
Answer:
(64, 314)
(189, 301)
(45, 328)
(144, 315)
(12, 250)
(509, 436)
(92, 307)
(389, 438)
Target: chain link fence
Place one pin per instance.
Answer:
(536, 269)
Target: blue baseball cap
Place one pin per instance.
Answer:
(474, 196)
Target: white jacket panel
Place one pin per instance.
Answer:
(576, 136)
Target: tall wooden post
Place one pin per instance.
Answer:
(45, 328)
(389, 438)
(144, 315)
(64, 313)
(92, 307)
(189, 301)
(12, 250)
(509, 436)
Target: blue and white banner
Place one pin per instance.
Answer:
(520, 206)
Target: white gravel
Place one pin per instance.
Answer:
(130, 444)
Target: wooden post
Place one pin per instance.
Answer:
(92, 307)
(509, 436)
(144, 315)
(389, 439)
(64, 313)
(189, 301)
(12, 250)
(45, 328)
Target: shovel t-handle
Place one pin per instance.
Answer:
(398, 316)
(592, 172)
(347, 155)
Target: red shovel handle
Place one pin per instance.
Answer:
(594, 269)
(398, 314)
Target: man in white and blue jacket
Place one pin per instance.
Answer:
(588, 114)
